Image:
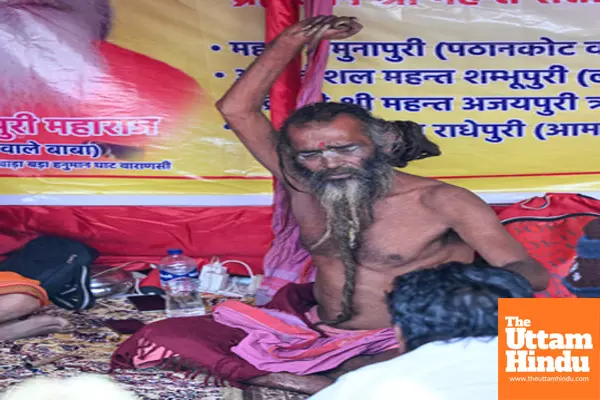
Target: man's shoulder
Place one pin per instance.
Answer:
(446, 199)
(442, 192)
(408, 184)
(430, 192)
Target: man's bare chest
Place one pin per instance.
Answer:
(396, 237)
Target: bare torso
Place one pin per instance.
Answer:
(406, 235)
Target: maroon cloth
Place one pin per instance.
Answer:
(203, 345)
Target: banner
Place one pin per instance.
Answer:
(117, 98)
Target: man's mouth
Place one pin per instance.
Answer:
(339, 176)
(340, 173)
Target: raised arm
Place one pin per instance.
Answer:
(241, 106)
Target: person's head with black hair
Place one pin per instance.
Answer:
(452, 302)
(346, 156)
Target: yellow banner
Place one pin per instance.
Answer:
(508, 91)
(123, 103)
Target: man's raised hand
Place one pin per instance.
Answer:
(324, 27)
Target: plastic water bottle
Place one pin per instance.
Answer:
(179, 279)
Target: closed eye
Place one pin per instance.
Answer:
(348, 149)
(306, 155)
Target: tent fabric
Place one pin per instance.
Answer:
(549, 228)
(123, 234)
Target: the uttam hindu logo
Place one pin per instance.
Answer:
(524, 342)
(548, 349)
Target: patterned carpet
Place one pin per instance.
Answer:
(88, 349)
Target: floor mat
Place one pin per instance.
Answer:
(88, 349)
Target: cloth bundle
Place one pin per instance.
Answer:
(583, 279)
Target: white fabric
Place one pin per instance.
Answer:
(461, 370)
(84, 386)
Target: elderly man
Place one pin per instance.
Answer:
(55, 63)
(364, 223)
(359, 217)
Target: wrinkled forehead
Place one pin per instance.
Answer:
(95, 15)
(343, 130)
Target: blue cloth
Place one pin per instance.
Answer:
(587, 292)
(588, 248)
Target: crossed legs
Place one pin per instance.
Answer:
(16, 321)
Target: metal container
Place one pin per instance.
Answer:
(107, 281)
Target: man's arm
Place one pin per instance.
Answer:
(241, 106)
(478, 225)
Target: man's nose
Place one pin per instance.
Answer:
(331, 160)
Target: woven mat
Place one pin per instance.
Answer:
(88, 348)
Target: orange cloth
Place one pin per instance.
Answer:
(11, 282)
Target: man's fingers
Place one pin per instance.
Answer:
(349, 29)
(319, 32)
(319, 21)
(313, 30)
(348, 24)
(318, 36)
(318, 27)
(311, 21)
(330, 19)
(355, 27)
(341, 22)
(314, 22)
(322, 23)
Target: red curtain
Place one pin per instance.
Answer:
(123, 234)
(279, 14)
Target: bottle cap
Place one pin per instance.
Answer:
(174, 252)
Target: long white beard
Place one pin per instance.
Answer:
(43, 59)
(344, 201)
(346, 192)
(349, 203)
